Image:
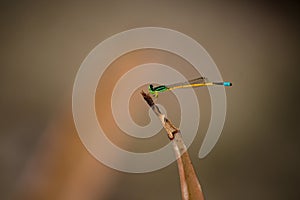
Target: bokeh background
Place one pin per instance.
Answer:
(255, 45)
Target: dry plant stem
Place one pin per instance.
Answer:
(190, 186)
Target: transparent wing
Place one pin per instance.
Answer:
(193, 81)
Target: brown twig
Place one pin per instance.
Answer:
(190, 186)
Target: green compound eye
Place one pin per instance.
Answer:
(151, 89)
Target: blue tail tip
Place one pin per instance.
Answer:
(227, 84)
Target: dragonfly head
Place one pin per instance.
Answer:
(151, 89)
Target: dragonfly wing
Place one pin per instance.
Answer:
(193, 81)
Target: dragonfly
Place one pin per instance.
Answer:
(197, 82)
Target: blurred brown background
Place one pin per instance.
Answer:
(255, 45)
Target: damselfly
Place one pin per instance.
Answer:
(198, 82)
